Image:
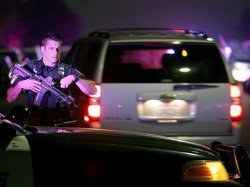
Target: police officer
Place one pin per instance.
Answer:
(51, 110)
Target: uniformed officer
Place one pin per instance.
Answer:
(51, 109)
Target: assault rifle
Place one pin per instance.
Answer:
(46, 85)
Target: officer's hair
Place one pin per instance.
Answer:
(50, 36)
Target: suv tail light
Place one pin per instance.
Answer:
(236, 110)
(93, 109)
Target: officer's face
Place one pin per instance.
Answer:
(51, 52)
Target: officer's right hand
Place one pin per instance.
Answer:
(30, 84)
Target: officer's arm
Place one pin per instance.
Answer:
(13, 93)
(86, 86)
(28, 84)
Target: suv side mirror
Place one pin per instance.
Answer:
(236, 159)
(243, 160)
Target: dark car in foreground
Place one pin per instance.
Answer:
(71, 156)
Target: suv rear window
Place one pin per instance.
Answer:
(159, 62)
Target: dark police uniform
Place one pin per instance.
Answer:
(52, 109)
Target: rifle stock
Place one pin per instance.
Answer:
(46, 86)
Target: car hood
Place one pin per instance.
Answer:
(107, 139)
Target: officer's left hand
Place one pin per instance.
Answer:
(66, 81)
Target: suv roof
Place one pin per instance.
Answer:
(140, 34)
(148, 32)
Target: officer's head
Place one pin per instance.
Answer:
(50, 48)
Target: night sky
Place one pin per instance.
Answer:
(22, 22)
(216, 17)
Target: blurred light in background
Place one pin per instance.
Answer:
(241, 70)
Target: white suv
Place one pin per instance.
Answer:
(172, 82)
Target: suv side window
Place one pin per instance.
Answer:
(156, 62)
(84, 57)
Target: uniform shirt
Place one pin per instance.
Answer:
(57, 72)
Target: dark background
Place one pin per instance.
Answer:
(22, 22)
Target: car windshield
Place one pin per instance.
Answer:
(157, 62)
